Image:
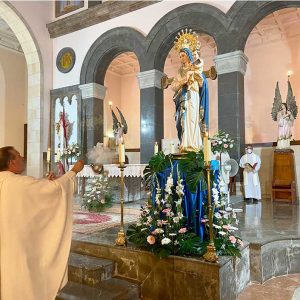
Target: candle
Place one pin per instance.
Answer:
(172, 148)
(48, 154)
(207, 149)
(155, 148)
(110, 103)
(58, 155)
(121, 153)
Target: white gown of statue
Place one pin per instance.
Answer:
(251, 179)
(191, 139)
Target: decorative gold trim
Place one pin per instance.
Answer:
(211, 254)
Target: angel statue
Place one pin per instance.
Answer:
(119, 128)
(284, 114)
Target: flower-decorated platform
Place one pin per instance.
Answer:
(171, 278)
(274, 246)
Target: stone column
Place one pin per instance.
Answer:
(92, 114)
(231, 68)
(151, 112)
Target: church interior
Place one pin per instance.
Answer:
(96, 80)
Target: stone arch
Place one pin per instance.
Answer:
(200, 17)
(245, 15)
(2, 107)
(106, 48)
(35, 96)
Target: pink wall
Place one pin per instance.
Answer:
(113, 93)
(124, 92)
(130, 106)
(13, 101)
(267, 65)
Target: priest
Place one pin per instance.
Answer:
(35, 230)
(251, 162)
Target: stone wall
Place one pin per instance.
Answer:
(274, 259)
(175, 277)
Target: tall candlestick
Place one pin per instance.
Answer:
(205, 139)
(209, 150)
(48, 154)
(155, 148)
(121, 153)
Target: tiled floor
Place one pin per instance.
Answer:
(279, 288)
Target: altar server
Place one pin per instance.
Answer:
(35, 230)
(251, 162)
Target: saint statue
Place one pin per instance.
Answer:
(284, 114)
(191, 93)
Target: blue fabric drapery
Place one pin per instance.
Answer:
(192, 203)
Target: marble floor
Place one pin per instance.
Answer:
(258, 223)
(268, 221)
(280, 288)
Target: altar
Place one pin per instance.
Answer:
(133, 173)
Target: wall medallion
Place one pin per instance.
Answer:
(65, 60)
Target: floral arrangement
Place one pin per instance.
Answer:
(225, 224)
(71, 151)
(160, 228)
(99, 194)
(221, 142)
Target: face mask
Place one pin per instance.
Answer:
(249, 151)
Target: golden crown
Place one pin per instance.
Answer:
(186, 39)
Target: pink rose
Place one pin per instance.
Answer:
(153, 232)
(182, 230)
(151, 239)
(225, 146)
(232, 239)
(204, 220)
(166, 210)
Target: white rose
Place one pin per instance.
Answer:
(165, 241)
(221, 233)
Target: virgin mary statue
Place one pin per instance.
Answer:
(191, 93)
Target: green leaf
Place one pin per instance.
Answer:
(162, 252)
(159, 162)
(136, 236)
(190, 244)
(192, 165)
